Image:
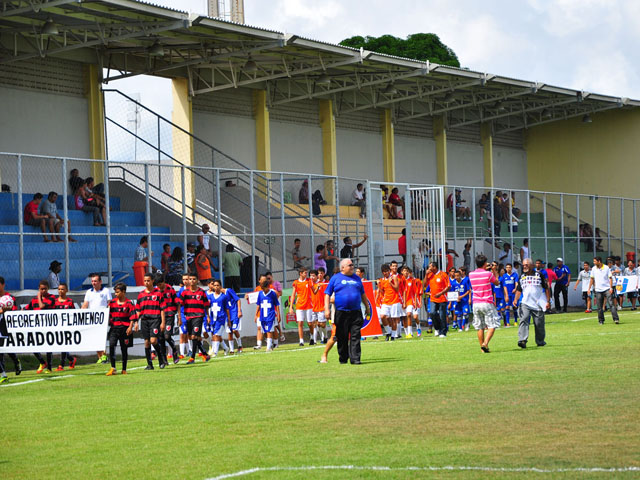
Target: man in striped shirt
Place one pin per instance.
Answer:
(485, 315)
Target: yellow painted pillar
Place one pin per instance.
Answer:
(329, 155)
(95, 102)
(182, 116)
(440, 135)
(486, 136)
(388, 147)
(263, 130)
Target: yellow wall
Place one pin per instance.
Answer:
(182, 115)
(486, 138)
(96, 120)
(388, 147)
(576, 157)
(329, 151)
(440, 135)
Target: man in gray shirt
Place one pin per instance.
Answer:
(49, 209)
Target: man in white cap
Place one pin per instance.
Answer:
(562, 283)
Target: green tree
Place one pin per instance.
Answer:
(420, 46)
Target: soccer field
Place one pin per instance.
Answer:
(420, 408)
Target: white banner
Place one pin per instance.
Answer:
(625, 284)
(30, 331)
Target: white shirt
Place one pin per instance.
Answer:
(54, 280)
(98, 299)
(508, 258)
(356, 196)
(584, 277)
(525, 253)
(205, 240)
(601, 278)
(630, 272)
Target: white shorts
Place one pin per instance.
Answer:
(318, 317)
(234, 327)
(304, 315)
(393, 311)
(485, 315)
(409, 309)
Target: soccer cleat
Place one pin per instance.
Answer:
(99, 361)
(269, 350)
(301, 343)
(231, 352)
(588, 310)
(41, 368)
(210, 352)
(181, 357)
(392, 338)
(282, 338)
(240, 350)
(206, 358)
(112, 371)
(104, 359)
(311, 343)
(257, 347)
(191, 361)
(18, 368)
(72, 363)
(387, 337)
(149, 367)
(170, 356)
(4, 380)
(47, 370)
(408, 335)
(522, 344)
(162, 365)
(124, 372)
(60, 368)
(176, 359)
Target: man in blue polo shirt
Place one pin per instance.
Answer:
(564, 278)
(349, 294)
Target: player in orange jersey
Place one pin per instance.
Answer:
(402, 284)
(412, 300)
(302, 305)
(317, 300)
(391, 303)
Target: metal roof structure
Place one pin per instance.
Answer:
(128, 38)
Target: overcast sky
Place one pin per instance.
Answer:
(583, 44)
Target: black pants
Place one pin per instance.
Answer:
(233, 283)
(348, 323)
(557, 289)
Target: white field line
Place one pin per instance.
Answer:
(450, 468)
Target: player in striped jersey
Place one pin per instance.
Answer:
(195, 304)
(43, 301)
(170, 310)
(182, 320)
(64, 303)
(13, 356)
(151, 320)
(122, 316)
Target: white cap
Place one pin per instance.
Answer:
(559, 259)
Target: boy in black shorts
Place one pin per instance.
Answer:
(122, 314)
(170, 310)
(195, 304)
(151, 320)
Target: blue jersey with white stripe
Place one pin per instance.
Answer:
(498, 291)
(232, 304)
(267, 304)
(218, 309)
(509, 282)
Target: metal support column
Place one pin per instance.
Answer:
(219, 222)
(493, 227)
(337, 202)
(454, 215)
(184, 220)
(621, 227)
(253, 230)
(443, 225)
(107, 206)
(408, 232)
(147, 213)
(579, 240)
(608, 227)
(544, 222)
(529, 224)
(284, 235)
(510, 226)
(635, 230)
(370, 242)
(21, 223)
(473, 222)
(593, 225)
(313, 243)
(562, 223)
(65, 214)
(268, 195)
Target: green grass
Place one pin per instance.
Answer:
(429, 402)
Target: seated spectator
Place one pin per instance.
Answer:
(515, 210)
(75, 180)
(54, 269)
(462, 212)
(98, 190)
(175, 265)
(141, 254)
(49, 209)
(483, 206)
(395, 201)
(164, 258)
(358, 199)
(586, 235)
(87, 203)
(191, 257)
(303, 193)
(33, 217)
(599, 247)
(402, 245)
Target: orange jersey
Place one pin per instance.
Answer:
(302, 292)
(379, 293)
(389, 295)
(317, 299)
(437, 284)
(413, 291)
(402, 284)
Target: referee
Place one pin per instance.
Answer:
(349, 294)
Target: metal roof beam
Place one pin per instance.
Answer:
(32, 6)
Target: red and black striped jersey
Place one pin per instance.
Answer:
(150, 304)
(194, 304)
(47, 299)
(121, 314)
(171, 300)
(67, 304)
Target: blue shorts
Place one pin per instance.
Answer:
(206, 327)
(235, 325)
(462, 309)
(183, 324)
(217, 328)
(500, 304)
(267, 327)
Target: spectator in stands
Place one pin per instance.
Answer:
(358, 199)
(599, 247)
(563, 275)
(507, 256)
(98, 190)
(49, 209)
(231, 263)
(191, 257)
(295, 254)
(391, 210)
(204, 238)
(75, 180)
(402, 245)
(347, 249)
(497, 213)
(32, 217)
(54, 269)
(303, 193)
(483, 206)
(450, 252)
(87, 203)
(273, 283)
(524, 249)
(466, 254)
(164, 257)
(515, 210)
(203, 265)
(319, 259)
(462, 212)
(396, 203)
(331, 257)
(141, 254)
(175, 265)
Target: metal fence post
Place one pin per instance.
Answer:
(107, 206)
(371, 242)
(493, 226)
(562, 223)
(608, 227)
(268, 195)
(219, 222)
(621, 227)
(635, 230)
(593, 225)
(473, 220)
(454, 211)
(407, 221)
(253, 230)
(337, 232)
(184, 220)
(65, 213)
(21, 224)
(546, 233)
(510, 224)
(147, 211)
(529, 224)
(579, 240)
(284, 235)
(313, 248)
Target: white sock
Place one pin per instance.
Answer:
(231, 345)
(269, 343)
(301, 340)
(184, 349)
(410, 330)
(216, 347)
(387, 329)
(259, 344)
(315, 334)
(239, 342)
(275, 341)
(322, 333)
(397, 332)
(224, 346)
